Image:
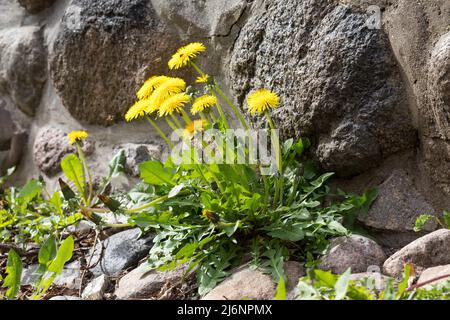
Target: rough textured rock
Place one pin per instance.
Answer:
(245, 283)
(70, 278)
(141, 283)
(121, 251)
(138, 153)
(377, 280)
(339, 82)
(429, 251)
(103, 53)
(203, 18)
(64, 298)
(35, 6)
(355, 252)
(51, 146)
(393, 215)
(23, 66)
(96, 288)
(29, 275)
(417, 32)
(435, 273)
(6, 128)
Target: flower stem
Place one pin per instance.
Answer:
(171, 124)
(233, 107)
(280, 182)
(174, 118)
(185, 117)
(87, 173)
(155, 126)
(222, 115)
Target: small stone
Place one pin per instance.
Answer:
(435, 272)
(429, 251)
(64, 298)
(83, 227)
(70, 278)
(121, 251)
(392, 217)
(51, 146)
(30, 275)
(96, 288)
(355, 252)
(142, 283)
(376, 279)
(253, 284)
(138, 153)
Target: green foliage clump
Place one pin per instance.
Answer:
(322, 285)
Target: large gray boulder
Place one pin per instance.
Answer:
(339, 82)
(23, 66)
(418, 34)
(6, 128)
(393, 215)
(356, 252)
(104, 51)
(429, 251)
(212, 18)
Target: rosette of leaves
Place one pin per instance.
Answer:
(216, 226)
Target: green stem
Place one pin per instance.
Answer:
(233, 107)
(155, 126)
(266, 190)
(185, 117)
(171, 125)
(280, 180)
(87, 174)
(222, 115)
(294, 192)
(175, 120)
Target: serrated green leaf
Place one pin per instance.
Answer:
(13, 275)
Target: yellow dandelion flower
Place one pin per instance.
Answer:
(150, 85)
(262, 100)
(195, 127)
(139, 110)
(165, 90)
(210, 215)
(202, 103)
(186, 54)
(173, 104)
(76, 136)
(202, 79)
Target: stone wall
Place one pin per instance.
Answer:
(374, 102)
